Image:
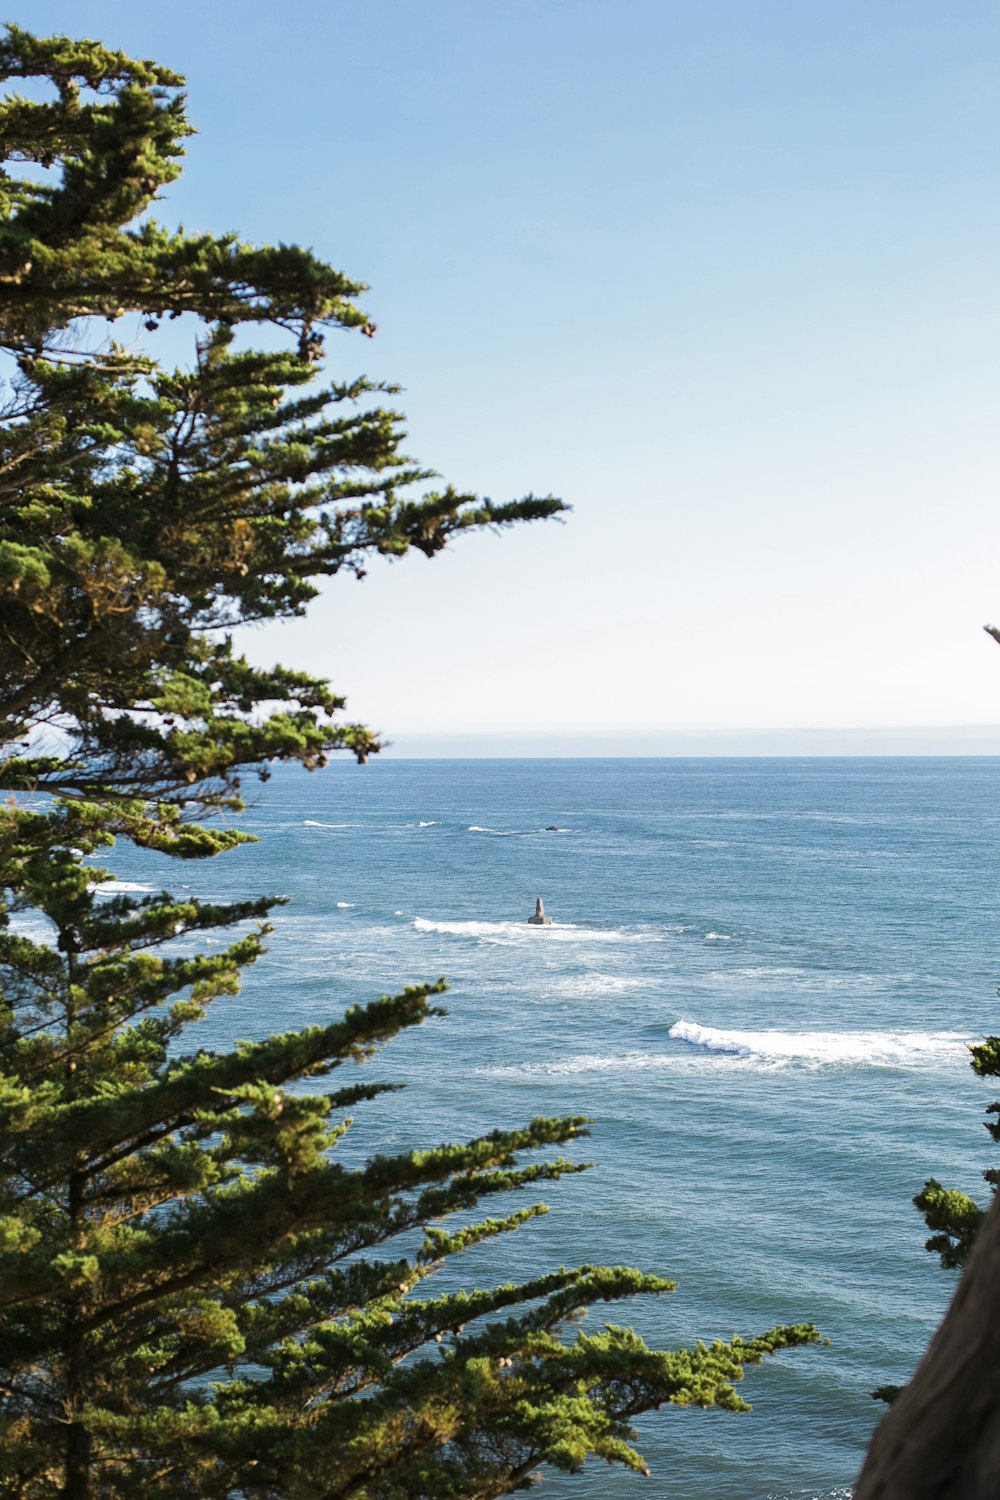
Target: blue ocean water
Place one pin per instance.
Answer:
(759, 984)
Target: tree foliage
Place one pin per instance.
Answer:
(942, 1434)
(953, 1217)
(197, 1298)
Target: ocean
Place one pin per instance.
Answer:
(759, 984)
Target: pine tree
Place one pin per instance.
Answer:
(953, 1217)
(941, 1435)
(197, 1298)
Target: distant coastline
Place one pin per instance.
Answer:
(938, 740)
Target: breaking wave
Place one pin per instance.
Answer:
(516, 932)
(122, 887)
(760, 1050)
(818, 1049)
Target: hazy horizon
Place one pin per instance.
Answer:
(794, 743)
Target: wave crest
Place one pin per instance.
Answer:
(766, 1051)
(817, 1049)
(525, 931)
(121, 887)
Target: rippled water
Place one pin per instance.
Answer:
(760, 982)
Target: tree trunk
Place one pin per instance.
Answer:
(941, 1438)
(77, 1486)
(77, 1482)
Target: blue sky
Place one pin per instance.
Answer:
(723, 275)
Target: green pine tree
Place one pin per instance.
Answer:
(197, 1298)
(953, 1217)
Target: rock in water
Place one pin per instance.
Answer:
(539, 919)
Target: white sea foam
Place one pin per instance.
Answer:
(583, 985)
(121, 887)
(759, 1050)
(817, 1049)
(517, 932)
(312, 823)
(34, 926)
(718, 937)
(430, 823)
(584, 1062)
(511, 833)
(766, 971)
(788, 976)
(841, 1493)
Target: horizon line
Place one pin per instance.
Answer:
(960, 740)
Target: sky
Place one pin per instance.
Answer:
(721, 275)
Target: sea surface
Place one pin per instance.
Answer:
(759, 984)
